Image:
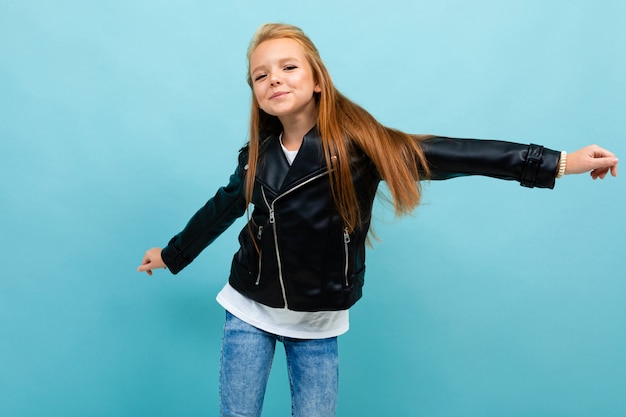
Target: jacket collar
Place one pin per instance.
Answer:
(278, 175)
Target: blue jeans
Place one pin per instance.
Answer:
(247, 355)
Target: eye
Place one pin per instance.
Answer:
(260, 77)
(290, 67)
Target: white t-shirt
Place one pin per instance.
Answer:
(282, 321)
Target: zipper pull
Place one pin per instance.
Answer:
(346, 235)
(259, 233)
(272, 219)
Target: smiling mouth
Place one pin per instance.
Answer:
(278, 94)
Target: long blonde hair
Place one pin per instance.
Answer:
(343, 125)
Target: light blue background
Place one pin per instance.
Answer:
(118, 119)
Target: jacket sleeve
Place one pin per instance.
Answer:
(531, 165)
(207, 223)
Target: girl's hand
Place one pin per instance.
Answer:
(151, 260)
(592, 158)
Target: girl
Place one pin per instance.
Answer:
(310, 172)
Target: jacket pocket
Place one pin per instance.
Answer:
(248, 257)
(346, 256)
(258, 237)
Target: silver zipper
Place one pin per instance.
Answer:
(258, 276)
(272, 220)
(346, 241)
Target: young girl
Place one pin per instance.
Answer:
(310, 172)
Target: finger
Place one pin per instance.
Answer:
(601, 152)
(596, 173)
(614, 170)
(601, 172)
(604, 162)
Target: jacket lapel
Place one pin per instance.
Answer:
(273, 165)
(274, 169)
(309, 160)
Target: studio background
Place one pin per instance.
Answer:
(118, 120)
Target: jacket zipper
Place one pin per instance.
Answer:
(258, 276)
(346, 241)
(272, 219)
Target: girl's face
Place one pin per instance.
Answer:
(282, 80)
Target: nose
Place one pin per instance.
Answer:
(274, 80)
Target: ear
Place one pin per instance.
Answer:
(317, 89)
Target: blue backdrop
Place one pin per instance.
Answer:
(120, 118)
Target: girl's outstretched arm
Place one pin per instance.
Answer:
(151, 260)
(592, 158)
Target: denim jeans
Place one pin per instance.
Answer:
(247, 355)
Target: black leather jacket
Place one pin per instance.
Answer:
(306, 260)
